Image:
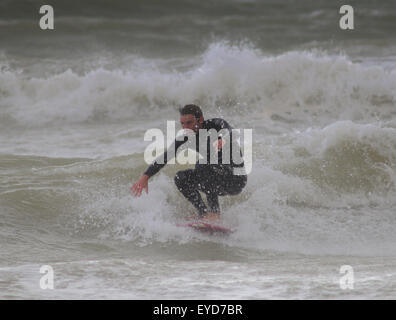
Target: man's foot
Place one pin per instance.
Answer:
(212, 217)
(192, 217)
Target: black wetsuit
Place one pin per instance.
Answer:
(214, 179)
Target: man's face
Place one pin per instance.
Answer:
(188, 121)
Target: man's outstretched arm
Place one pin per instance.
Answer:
(142, 183)
(156, 166)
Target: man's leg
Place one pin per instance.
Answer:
(191, 181)
(222, 185)
(213, 202)
(188, 183)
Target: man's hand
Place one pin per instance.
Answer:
(218, 144)
(141, 184)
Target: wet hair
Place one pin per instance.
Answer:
(191, 109)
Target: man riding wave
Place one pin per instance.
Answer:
(224, 176)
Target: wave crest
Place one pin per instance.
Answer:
(238, 79)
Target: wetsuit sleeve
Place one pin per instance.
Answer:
(220, 124)
(161, 161)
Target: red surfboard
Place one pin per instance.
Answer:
(207, 227)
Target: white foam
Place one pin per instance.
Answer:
(292, 85)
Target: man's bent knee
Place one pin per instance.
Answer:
(180, 179)
(237, 187)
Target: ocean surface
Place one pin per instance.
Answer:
(76, 101)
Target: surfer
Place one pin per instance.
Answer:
(213, 179)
